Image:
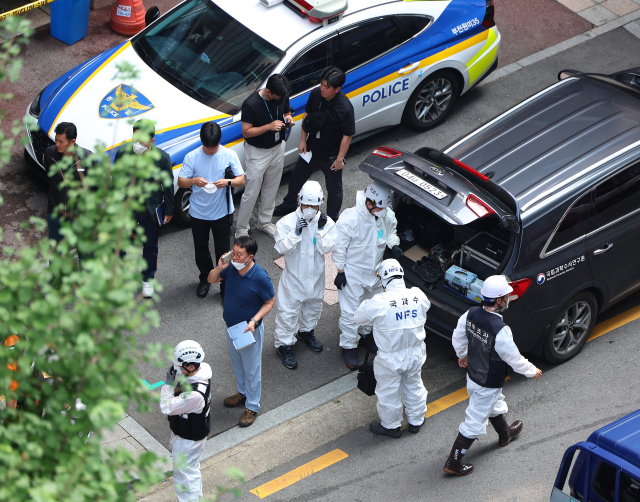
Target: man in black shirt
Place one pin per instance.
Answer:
(143, 144)
(328, 145)
(265, 115)
(66, 134)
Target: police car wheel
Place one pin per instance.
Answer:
(432, 101)
(571, 328)
(183, 202)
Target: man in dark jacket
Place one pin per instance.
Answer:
(143, 144)
(66, 134)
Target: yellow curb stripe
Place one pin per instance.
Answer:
(448, 401)
(615, 322)
(300, 473)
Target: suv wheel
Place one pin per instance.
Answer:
(571, 328)
(183, 203)
(432, 101)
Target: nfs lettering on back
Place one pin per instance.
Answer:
(406, 314)
(385, 92)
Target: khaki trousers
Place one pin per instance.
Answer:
(262, 177)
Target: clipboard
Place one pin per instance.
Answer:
(241, 340)
(160, 213)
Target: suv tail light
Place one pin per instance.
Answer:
(471, 170)
(488, 20)
(386, 152)
(478, 206)
(519, 288)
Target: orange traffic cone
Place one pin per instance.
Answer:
(127, 17)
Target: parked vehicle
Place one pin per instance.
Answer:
(406, 61)
(548, 193)
(607, 468)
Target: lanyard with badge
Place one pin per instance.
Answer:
(271, 116)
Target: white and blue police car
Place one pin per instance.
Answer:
(406, 61)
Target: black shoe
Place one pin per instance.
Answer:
(288, 359)
(369, 343)
(350, 358)
(310, 339)
(282, 210)
(376, 428)
(414, 429)
(427, 269)
(203, 289)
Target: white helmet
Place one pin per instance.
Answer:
(378, 195)
(390, 269)
(311, 194)
(495, 286)
(188, 351)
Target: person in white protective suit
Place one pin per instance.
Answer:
(398, 315)
(484, 345)
(303, 237)
(189, 417)
(364, 231)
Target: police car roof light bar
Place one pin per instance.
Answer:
(478, 206)
(386, 153)
(519, 288)
(320, 11)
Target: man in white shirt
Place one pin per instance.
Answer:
(211, 170)
(484, 345)
(189, 417)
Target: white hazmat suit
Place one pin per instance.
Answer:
(187, 479)
(361, 243)
(398, 316)
(485, 402)
(301, 287)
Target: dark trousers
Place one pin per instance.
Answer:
(333, 180)
(54, 227)
(221, 231)
(150, 247)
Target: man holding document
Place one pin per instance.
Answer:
(248, 299)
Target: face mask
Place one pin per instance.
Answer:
(139, 148)
(382, 213)
(309, 213)
(504, 306)
(239, 266)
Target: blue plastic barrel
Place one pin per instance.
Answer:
(70, 20)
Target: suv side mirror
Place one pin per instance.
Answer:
(152, 14)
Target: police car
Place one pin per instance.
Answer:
(406, 61)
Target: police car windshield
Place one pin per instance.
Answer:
(211, 56)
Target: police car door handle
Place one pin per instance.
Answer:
(603, 249)
(407, 69)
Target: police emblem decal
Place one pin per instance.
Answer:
(123, 102)
(540, 280)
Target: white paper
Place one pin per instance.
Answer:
(306, 156)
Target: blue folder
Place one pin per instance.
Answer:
(160, 213)
(241, 340)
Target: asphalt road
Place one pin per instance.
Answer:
(185, 316)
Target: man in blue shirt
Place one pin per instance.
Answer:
(203, 169)
(249, 297)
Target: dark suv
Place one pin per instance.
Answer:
(547, 193)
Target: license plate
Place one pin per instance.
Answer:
(422, 184)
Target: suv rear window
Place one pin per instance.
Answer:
(619, 196)
(573, 225)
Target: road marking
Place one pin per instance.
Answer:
(448, 401)
(615, 322)
(154, 386)
(300, 473)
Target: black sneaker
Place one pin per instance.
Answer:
(310, 339)
(350, 358)
(288, 359)
(282, 210)
(428, 270)
(377, 428)
(203, 289)
(414, 429)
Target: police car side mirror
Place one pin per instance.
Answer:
(152, 14)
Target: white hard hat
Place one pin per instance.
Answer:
(311, 194)
(188, 351)
(379, 194)
(390, 269)
(495, 287)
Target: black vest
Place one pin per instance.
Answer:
(484, 364)
(194, 426)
